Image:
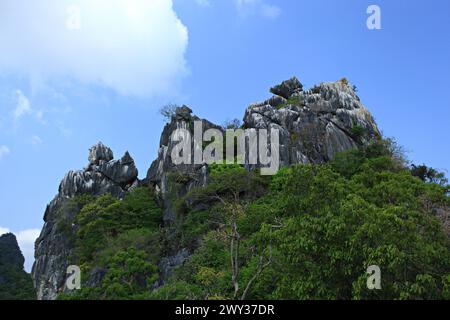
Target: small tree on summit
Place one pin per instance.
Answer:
(168, 111)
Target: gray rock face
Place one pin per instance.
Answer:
(100, 153)
(287, 88)
(167, 265)
(315, 124)
(53, 248)
(163, 171)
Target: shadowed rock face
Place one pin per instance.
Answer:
(102, 175)
(10, 252)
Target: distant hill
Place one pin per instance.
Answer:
(15, 283)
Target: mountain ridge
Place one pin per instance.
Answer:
(314, 126)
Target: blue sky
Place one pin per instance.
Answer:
(63, 89)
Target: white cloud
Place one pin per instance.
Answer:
(4, 151)
(36, 140)
(135, 47)
(23, 105)
(257, 7)
(3, 230)
(26, 239)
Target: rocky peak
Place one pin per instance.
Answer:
(99, 153)
(103, 175)
(287, 88)
(10, 253)
(162, 169)
(314, 124)
(183, 113)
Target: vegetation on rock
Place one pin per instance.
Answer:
(309, 232)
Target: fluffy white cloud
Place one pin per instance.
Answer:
(23, 107)
(258, 7)
(26, 239)
(136, 47)
(4, 151)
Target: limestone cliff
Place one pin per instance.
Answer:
(314, 125)
(52, 249)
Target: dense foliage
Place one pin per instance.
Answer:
(116, 243)
(309, 232)
(15, 284)
(315, 231)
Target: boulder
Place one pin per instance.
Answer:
(287, 88)
(100, 153)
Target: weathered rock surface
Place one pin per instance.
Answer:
(53, 248)
(314, 125)
(287, 88)
(163, 170)
(99, 154)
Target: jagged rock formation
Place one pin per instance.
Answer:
(15, 283)
(314, 125)
(287, 88)
(53, 248)
(163, 168)
(10, 252)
